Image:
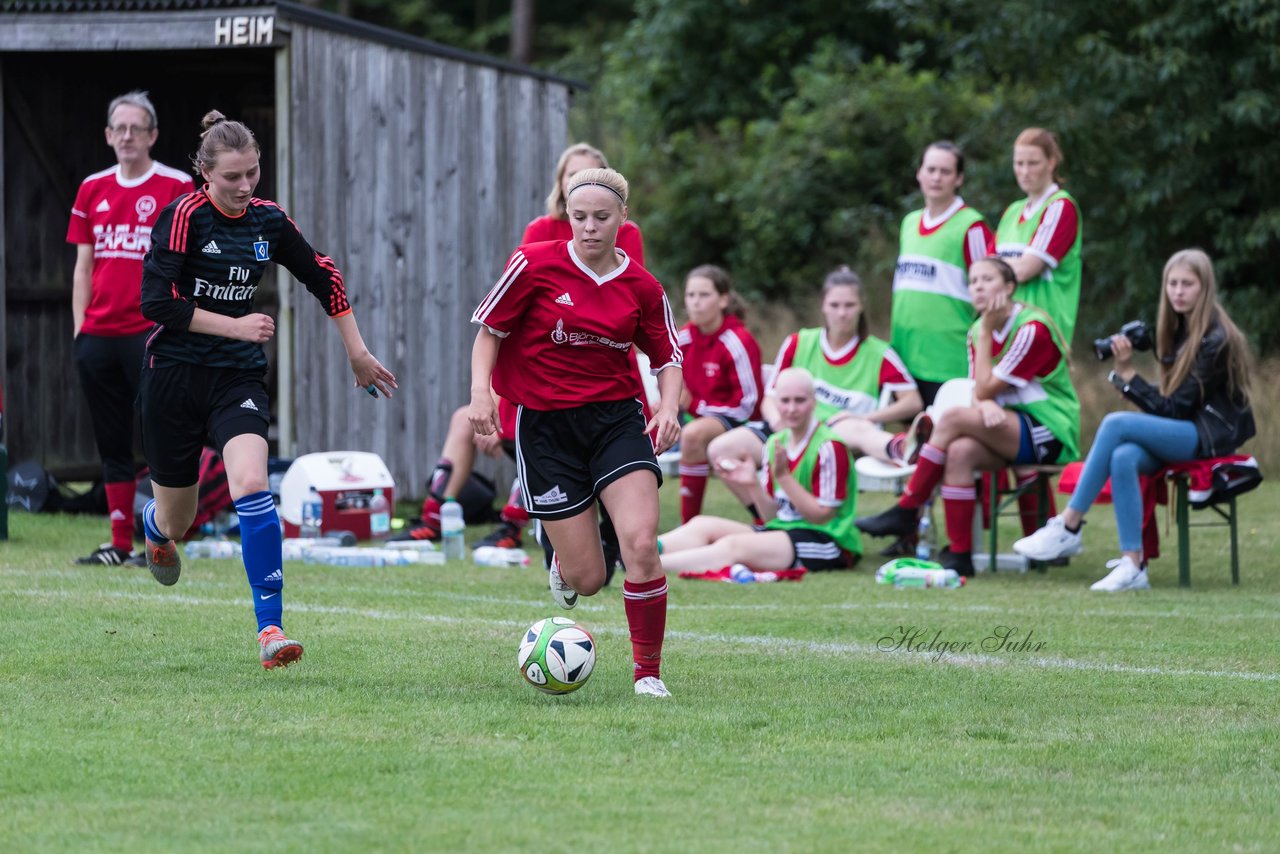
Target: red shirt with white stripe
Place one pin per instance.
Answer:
(722, 371)
(1056, 233)
(568, 333)
(830, 481)
(630, 241)
(1029, 354)
(115, 215)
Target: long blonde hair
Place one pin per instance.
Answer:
(555, 199)
(1176, 365)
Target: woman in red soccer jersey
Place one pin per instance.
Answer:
(557, 330)
(555, 226)
(457, 457)
(1025, 412)
(721, 376)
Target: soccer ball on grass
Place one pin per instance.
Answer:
(556, 655)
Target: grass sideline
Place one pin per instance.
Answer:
(136, 717)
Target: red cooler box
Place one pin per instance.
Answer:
(345, 480)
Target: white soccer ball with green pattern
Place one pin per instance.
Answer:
(556, 655)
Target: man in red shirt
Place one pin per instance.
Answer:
(111, 223)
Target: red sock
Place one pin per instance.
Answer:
(120, 508)
(693, 485)
(928, 473)
(431, 512)
(646, 606)
(1029, 504)
(514, 514)
(958, 504)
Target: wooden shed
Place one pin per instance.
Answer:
(413, 165)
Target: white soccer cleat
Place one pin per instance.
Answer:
(564, 595)
(1051, 542)
(651, 686)
(1124, 575)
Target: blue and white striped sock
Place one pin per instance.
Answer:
(149, 524)
(260, 549)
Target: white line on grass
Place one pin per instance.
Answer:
(947, 605)
(775, 644)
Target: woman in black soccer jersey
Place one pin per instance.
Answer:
(204, 371)
(557, 331)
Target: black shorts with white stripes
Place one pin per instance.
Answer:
(816, 551)
(183, 404)
(565, 457)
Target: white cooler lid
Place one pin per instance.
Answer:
(330, 471)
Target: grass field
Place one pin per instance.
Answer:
(136, 717)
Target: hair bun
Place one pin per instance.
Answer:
(212, 118)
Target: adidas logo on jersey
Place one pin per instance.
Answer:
(102, 206)
(117, 515)
(554, 495)
(249, 404)
(564, 299)
(278, 575)
(211, 248)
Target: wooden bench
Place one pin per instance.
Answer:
(1224, 508)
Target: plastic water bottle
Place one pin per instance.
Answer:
(741, 574)
(901, 574)
(312, 514)
(297, 548)
(212, 548)
(494, 556)
(452, 530)
(379, 515)
(924, 537)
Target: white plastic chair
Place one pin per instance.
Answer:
(952, 393)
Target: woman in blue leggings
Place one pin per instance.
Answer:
(1199, 410)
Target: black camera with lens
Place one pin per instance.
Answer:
(1138, 333)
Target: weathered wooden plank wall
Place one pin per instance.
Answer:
(416, 174)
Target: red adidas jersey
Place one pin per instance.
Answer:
(630, 241)
(1029, 354)
(545, 228)
(1056, 233)
(116, 215)
(722, 371)
(567, 333)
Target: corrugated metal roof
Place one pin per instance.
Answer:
(295, 12)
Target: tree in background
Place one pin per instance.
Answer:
(778, 139)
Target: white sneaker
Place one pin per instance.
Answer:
(564, 595)
(1051, 542)
(1123, 576)
(651, 686)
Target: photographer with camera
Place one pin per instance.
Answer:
(1199, 410)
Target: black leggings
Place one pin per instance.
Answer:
(110, 371)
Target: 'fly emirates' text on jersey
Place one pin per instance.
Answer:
(567, 332)
(203, 258)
